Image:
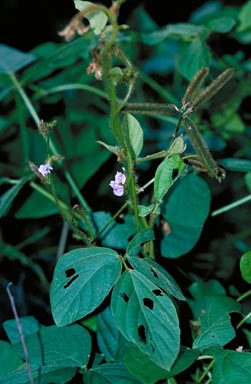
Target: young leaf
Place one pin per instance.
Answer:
(230, 367)
(66, 347)
(10, 360)
(186, 211)
(164, 176)
(7, 198)
(115, 373)
(216, 328)
(96, 18)
(142, 367)
(133, 134)
(11, 59)
(158, 275)
(245, 266)
(81, 281)
(139, 309)
(110, 341)
(133, 247)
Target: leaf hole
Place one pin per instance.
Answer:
(71, 281)
(154, 272)
(124, 296)
(70, 272)
(142, 333)
(213, 336)
(148, 303)
(157, 292)
(175, 173)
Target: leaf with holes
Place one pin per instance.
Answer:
(81, 281)
(110, 341)
(133, 247)
(167, 173)
(142, 367)
(115, 373)
(146, 316)
(216, 327)
(158, 275)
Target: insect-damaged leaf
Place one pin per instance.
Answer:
(167, 172)
(158, 275)
(147, 318)
(82, 279)
(115, 373)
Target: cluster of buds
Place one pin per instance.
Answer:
(45, 128)
(76, 26)
(95, 67)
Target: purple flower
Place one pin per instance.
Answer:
(118, 184)
(45, 169)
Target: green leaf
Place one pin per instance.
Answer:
(139, 309)
(36, 206)
(96, 18)
(28, 323)
(199, 290)
(245, 17)
(231, 367)
(145, 210)
(166, 174)
(193, 56)
(247, 179)
(133, 247)
(68, 346)
(10, 360)
(41, 375)
(115, 373)
(81, 281)
(216, 327)
(185, 212)
(7, 198)
(237, 165)
(245, 266)
(117, 234)
(142, 367)
(133, 134)
(221, 24)
(158, 275)
(110, 341)
(183, 31)
(11, 59)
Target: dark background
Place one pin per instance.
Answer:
(24, 24)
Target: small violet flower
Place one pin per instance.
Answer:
(118, 184)
(45, 169)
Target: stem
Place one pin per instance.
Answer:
(67, 87)
(65, 214)
(243, 320)
(206, 371)
(62, 240)
(243, 296)
(24, 132)
(37, 120)
(231, 206)
(132, 189)
(20, 331)
(111, 220)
